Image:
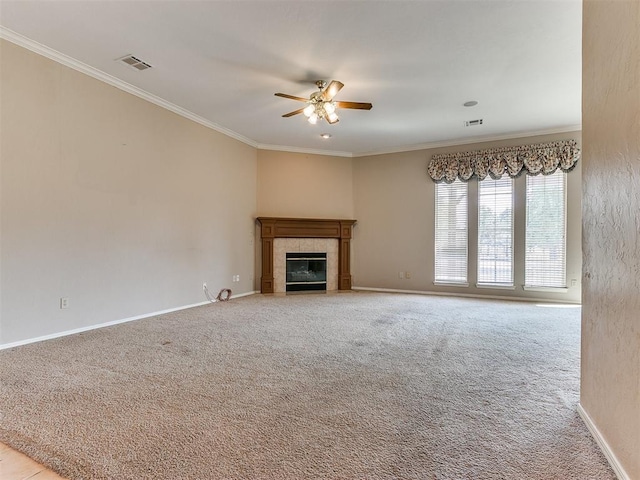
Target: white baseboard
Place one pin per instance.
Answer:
(108, 324)
(468, 295)
(246, 294)
(604, 446)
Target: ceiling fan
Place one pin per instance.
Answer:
(321, 104)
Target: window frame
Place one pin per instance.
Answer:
(510, 284)
(450, 280)
(546, 286)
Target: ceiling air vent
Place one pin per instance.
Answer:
(473, 123)
(135, 62)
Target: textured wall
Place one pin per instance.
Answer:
(610, 391)
(119, 205)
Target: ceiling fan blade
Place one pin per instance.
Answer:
(295, 112)
(357, 105)
(332, 89)
(284, 95)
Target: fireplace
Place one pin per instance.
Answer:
(313, 235)
(300, 247)
(306, 272)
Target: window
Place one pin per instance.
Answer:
(495, 232)
(545, 249)
(451, 233)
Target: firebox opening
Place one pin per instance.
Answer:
(306, 272)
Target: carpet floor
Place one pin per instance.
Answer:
(352, 385)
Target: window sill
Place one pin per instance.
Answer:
(450, 284)
(497, 287)
(546, 289)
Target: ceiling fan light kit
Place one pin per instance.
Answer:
(320, 104)
(319, 110)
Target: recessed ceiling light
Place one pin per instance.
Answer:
(470, 103)
(325, 135)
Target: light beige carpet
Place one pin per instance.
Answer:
(338, 386)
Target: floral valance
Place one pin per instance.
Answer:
(544, 158)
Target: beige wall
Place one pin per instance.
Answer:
(610, 387)
(394, 206)
(111, 201)
(304, 185)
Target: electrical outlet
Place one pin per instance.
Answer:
(401, 275)
(407, 275)
(574, 282)
(64, 302)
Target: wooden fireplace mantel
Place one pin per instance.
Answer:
(276, 227)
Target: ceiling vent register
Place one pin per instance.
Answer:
(135, 62)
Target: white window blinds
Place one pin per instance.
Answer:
(545, 249)
(451, 232)
(495, 232)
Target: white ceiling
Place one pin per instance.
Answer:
(416, 61)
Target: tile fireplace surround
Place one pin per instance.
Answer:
(282, 246)
(313, 230)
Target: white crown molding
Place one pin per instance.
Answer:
(471, 140)
(309, 151)
(70, 62)
(425, 146)
(602, 443)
